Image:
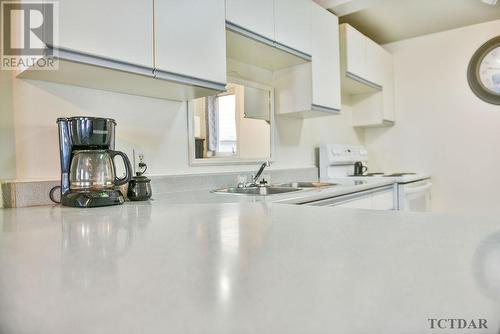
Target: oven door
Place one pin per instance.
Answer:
(415, 196)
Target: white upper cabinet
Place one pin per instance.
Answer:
(361, 57)
(374, 62)
(191, 39)
(285, 24)
(388, 88)
(116, 29)
(354, 50)
(313, 89)
(325, 59)
(255, 15)
(128, 44)
(292, 24)
(368, 77)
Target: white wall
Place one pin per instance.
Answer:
(157, 128)
(7, 144)
(441, 126)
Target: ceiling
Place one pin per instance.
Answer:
(387, 21)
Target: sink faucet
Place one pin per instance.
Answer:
(259, 173)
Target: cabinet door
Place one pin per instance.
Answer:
(292, 24)
(383, 200)
(355, 51)
(388, 87)
(374, 63)
(256, 15)
(359, 203)
(117, 29)
(325, 59)
(191, 38)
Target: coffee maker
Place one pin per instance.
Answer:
(88, 171)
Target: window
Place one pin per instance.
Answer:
(234, 124)
(227, 139)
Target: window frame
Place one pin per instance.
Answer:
(231, 159)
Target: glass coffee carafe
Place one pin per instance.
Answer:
(96, 170)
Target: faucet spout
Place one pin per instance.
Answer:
(261, 169)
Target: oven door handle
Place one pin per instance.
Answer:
(413, 190)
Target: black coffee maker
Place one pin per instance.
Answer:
(88, 171)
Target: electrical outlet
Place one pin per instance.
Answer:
(140, 163)
(138, 160)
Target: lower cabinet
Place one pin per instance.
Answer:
(374, 199)
(359, 203)
(384, 200)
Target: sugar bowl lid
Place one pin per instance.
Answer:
(139, 178)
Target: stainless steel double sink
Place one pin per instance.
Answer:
(274, 189)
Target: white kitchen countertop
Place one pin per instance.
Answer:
(249, 267)
(341, 187)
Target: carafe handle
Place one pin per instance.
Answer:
(128, 167)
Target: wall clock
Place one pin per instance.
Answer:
(484, 71)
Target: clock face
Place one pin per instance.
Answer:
(483, 72)
(489, 71)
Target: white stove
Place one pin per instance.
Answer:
(411, 189)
